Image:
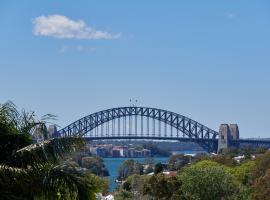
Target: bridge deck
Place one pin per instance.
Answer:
(151, 138)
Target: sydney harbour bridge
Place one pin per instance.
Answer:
(154, 124)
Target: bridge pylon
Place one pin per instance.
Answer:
(227, 133)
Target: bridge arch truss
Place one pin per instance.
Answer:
(190, 129)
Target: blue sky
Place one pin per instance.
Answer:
(208, 60)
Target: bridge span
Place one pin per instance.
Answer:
(152, 124)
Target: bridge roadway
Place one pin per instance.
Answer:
(250, 142)
(150, 138)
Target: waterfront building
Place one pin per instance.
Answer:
(100, 151)
(138, 154)
(115, 153)
(146, 153)
(131, 152)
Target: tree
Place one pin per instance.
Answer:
(207, 180)
(261, 187)
(35, 171)
(246, 151)
(220, 158)
(123, 195)
(260, 177)
(159, 187)
(262, 165)
(243, 172)
(37, 174)
(94, 165)
(149, 165)
(224, 160)
(11, 137)
(158, 168)
(134, 184)
(128, 168)
(176, 162)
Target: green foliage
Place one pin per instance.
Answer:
(243, 171)
(94, 165)
(261, 187)
(158, 168)
(135, 184)
(224, 160)
(13, 122)
(144, 187)
(8, 118)
(262, 165)
(49, 151)
(207, 180)
(34, 171)
(206, 164)
(221, 159)
(128, 168)
(150, 163)
(10, 143)
(161, 187)
(246, 151)
(48, 181)
(260, 177)
(123, 195)
(212, 178)
(176, 162)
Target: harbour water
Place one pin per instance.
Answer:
(112, 164)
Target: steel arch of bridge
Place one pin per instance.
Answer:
(190, 128)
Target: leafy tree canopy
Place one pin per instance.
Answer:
(261, 187)
(128, 168)
(207, 180)
(176, 162)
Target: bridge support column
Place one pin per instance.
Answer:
(227, 133)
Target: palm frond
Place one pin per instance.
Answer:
(8, 118)
(33, 172)
(80, 184)
(8, 112)
(26, 122)
(13, 183)
(49, 151)
(10, 143)
(48, 181)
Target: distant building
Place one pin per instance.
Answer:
(131, 152)
(123, 151)
(115, 153)
(105, 150)
(146, 153)
(100, 151)
(138, 154)
(52, 131)
(40, 134)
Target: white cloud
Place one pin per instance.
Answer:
(59, 26)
